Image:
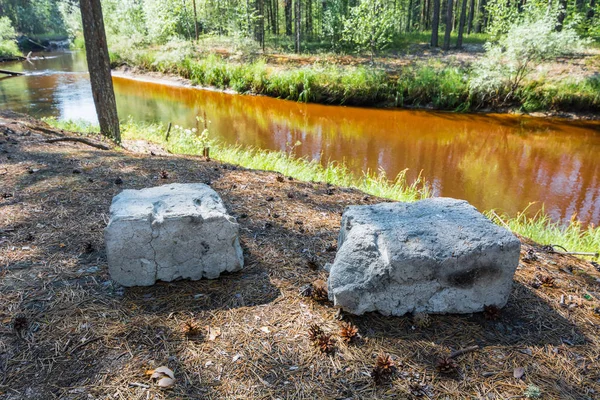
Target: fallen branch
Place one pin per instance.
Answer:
(500, 219)
(92, 340)
(11, 73)
(571, 253)
(463, 351)
(79, 140)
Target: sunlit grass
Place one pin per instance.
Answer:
(540, 228)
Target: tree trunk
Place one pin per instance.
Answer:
(288, 17)
(562, 14)
(479, 25)
(471, 16)
(448, 25)
(435, 23)
(298, 15)
(195, 20)
(409, 15)
(590, 14)
(99, 67)
(461, 24)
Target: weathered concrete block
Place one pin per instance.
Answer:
(177, 231)
(437, 255)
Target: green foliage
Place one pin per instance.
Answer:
(35, 17)
(370, 26)
(508, 62)
(8, 45)
(541, 229)
(424, 85)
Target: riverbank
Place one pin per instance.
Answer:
(55, 198)
(539, 227)
(567, 87)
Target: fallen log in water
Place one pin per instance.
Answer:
(11, 73)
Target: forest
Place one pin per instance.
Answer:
(451, 55)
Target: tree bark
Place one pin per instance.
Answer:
(288, 17)
(99, 67)
(298, 17)
(479, 25)
(461, 24)
(435, 23)
(448, 25)
(590, 14)
(562, 14)
(471, 16)
(195, 20)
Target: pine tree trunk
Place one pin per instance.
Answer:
(435, 23)
(195, 20)
(590, 14)
(480, 16)
(471, 16)
(298, 14)
(562, 14)
(99, 67)
(448, 25)
(461, 24)
(288, 17)
(409, 15)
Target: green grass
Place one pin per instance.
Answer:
(539, 228)
(423, 85)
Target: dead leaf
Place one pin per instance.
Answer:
(265, 329)
(213, 332)
(519, 372)
(166, 382)
(161, 372)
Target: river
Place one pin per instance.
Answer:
(494, 161)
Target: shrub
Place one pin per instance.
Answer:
(8, 45)
(508, 62)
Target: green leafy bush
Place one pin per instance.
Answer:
(508, 62)
(8, 45)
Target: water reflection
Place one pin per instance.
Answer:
(494, 161)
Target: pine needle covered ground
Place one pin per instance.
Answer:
(67, 331)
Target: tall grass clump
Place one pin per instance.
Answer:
(440, 87)
(187, 141)
(541, 229)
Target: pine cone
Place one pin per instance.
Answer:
(320, 291)
(348, 332)
(325, 343)
(492, 313)
(190, 328)
(314, 331)
(164, 174)
(20, 323)
(384, 369)
(422, 320)
(547, 281)
(446, 365)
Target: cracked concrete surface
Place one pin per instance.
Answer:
(170, 232)
(437, 255)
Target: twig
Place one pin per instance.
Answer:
(500, 219)
(79, 140)
(573, 253)
(463, 351)
(141, 385)
(85, 344)
(168, 132)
